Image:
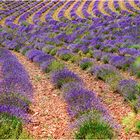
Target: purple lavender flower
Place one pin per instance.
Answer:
(44, 65)
(81, 100)
(119, 62)
(15, 89)
(104, 71)
(86, 63)
(129, 89)
(41, 58)
(70, 86)
(63, 51)
(23, 50)
(32, 53)
(106, 57)
(64, 76)
(97, 54)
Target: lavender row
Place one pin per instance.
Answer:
(95, 9)
(9, 21)
(13, 11)
(36, 18)
(61, 13)
(15, 89)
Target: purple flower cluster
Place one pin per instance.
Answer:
(82, 103)
(41, 58)
(86, 63)
(104, 71)
(81, 100)
(130, 90)
(120, 62)
(63, 51)
(64, 76)
(15, 89)
(32, 53)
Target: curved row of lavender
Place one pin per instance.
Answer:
(15, 87)
(27, 12)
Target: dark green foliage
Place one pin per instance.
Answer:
(66, 57)
(134, 46)
(55, 66)
(137, 125)
(75, 59)
(94, 130)
(86, 65)
(24, 52)
(53, 52)
(10, 127)
(17, 48)
(135, 67)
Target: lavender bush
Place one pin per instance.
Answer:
(64, 76)
(130, 90)
(80, 100)
(16, 89)
(86, 63)
(15, 96)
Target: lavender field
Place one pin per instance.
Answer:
(70, 69)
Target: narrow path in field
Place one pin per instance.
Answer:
(79, 11)
(122, 6)
(101, 7)
(43, 16)
(90, 7)
(49, 119)
(56, 12)
(111, 6)
(113, 101)
(133, 4)
(30, 18)
(67, 12)
(17, 19)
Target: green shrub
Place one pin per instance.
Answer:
(55, 66)
(94, 130)
(66, 57)
(131, 123)
(75, 59)
(89, 54)
(113, 81)
(135, 67)
(46, 50)
(134, 46)
(137, 125)
(86, 65)
(25, 23)
(52, 35)
(10, 127)
(24, 51)
(53, 51)
(17, 48)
